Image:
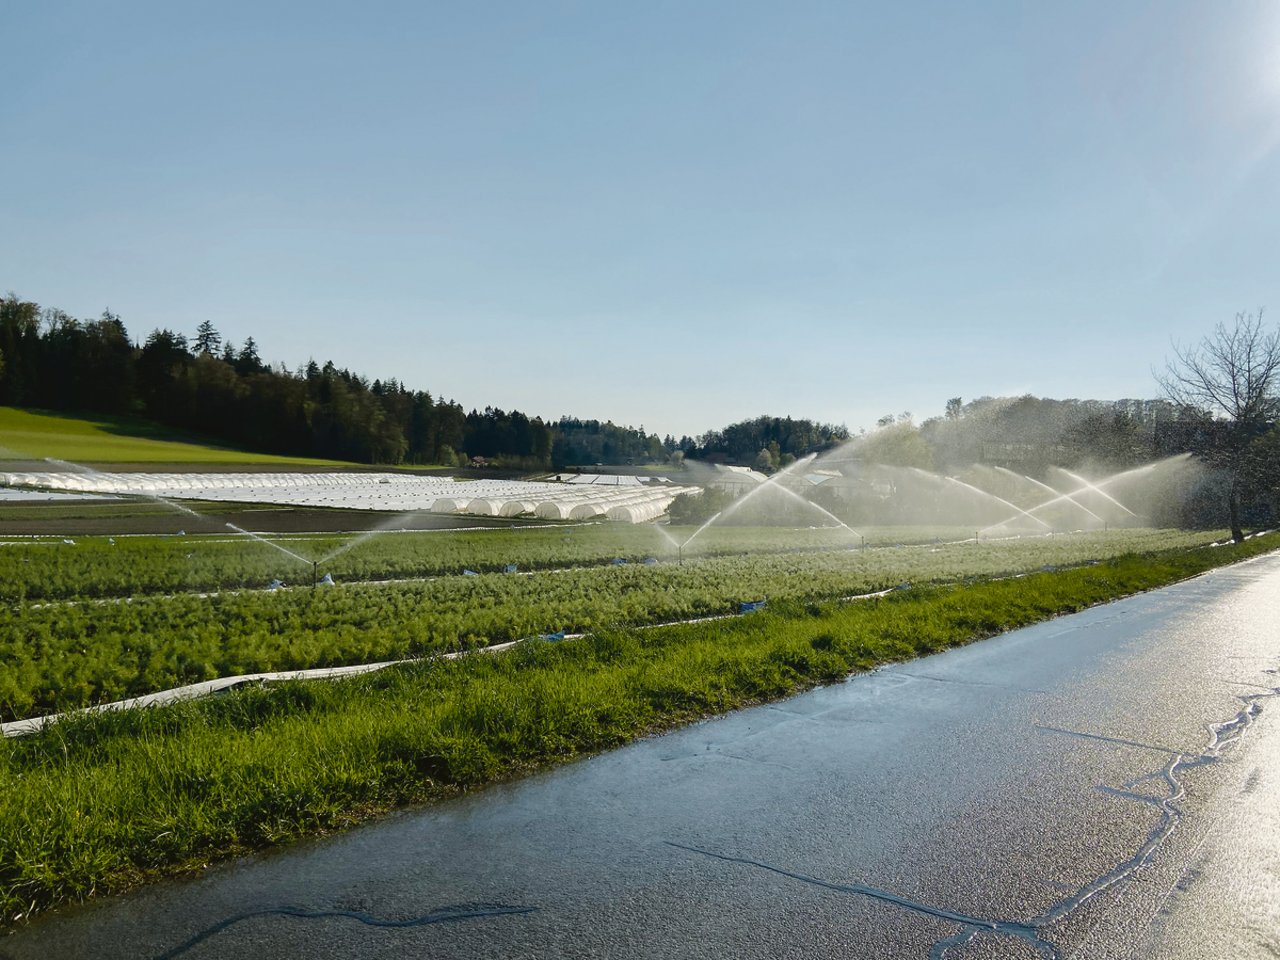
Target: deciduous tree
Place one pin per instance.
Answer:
(1231, 377)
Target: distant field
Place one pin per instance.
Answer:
(33, 435)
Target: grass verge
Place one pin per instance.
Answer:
(101, 803)
(100, 438)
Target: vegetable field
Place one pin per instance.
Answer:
(97, 621)
(53, 568)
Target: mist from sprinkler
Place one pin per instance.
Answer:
(270, 543)
(83, 470)
(772, 483)
(1057, 495)
(155, 498)
(394, 523)
(1002, 501)
(1035, 514)
(1097, 488)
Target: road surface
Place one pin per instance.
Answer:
(1105, 785)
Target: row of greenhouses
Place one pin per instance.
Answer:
(400, 493)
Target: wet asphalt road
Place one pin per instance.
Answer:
(1105, 785)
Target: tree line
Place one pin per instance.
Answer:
(767, 443)
(52, 360)
(207, 384)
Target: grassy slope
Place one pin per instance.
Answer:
(102, 802)
(35, 435)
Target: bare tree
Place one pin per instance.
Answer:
(1231, 376)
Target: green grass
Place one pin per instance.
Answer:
(102, 802)
(36, 435)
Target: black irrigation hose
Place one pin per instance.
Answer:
(465, 911)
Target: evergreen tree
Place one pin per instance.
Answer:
(208, 340)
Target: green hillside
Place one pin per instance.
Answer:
(35, 435)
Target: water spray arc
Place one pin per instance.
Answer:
(1001, 500)
(181, 508)
(1096, 488)
(820, 508)
(775, 483)
(695, 534)
(155, 498)
(395, 523)
(270, 543)
(1058, 495)
(672, 541)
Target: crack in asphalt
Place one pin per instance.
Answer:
(1222, 736)
(466, 911)
(970, 926)
(1117, 740)
(875, 893)
(1129, 795)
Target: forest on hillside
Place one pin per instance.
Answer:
(227, 392)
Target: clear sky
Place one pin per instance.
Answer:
(675, 214)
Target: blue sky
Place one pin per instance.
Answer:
(669, 214)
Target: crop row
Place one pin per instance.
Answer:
(54, 569)
(65, 655)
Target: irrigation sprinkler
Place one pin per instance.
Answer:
(315, 573)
